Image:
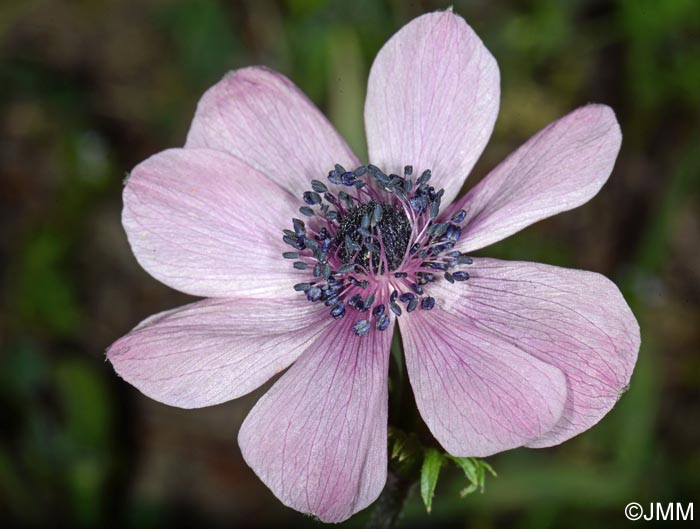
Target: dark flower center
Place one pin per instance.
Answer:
(383, 221)
(376, 247)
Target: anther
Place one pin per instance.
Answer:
(362, 327)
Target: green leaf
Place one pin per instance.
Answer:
(429, 475)
(475, 470)
(405, 449)
(468, 490)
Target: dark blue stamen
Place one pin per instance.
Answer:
(362, 327)
(318, 186)
(332, 300)
(311, 198)
(334, 178)
(364, 223)
(348, 179)
(346, 242)
(326, 271)
(346, 268)
(356, 302)
(459, 216)
(299, 227)
(424, 177)
(314, 293)
(434, 265)
(377, 214)
(437, 230)
(453, 232)
(338, 311)
(382, 322)
(406, 297)
(434, 209)
(296, 242)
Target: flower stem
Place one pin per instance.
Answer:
(387, 510)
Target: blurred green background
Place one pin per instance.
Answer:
(88, 89)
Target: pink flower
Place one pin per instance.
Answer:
(499, 354)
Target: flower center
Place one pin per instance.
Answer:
(375, 247)
(383, 223)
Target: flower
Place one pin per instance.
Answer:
(499, 354)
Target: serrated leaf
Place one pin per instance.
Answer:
(430, 471)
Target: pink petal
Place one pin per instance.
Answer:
(318, 437)
(205, 223)
(573, 320)
(215, 350)
(432, 100)
(477, 393)
(261, 117)
(559, 168)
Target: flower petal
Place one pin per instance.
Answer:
(318, 437)
(214, 350)
(478, 394)
(573, 320)
(559, 168)
(432, 100)
(261, 117)
(205, 223)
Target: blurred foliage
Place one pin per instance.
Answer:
(88, 89)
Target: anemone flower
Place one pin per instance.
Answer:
(308, 258)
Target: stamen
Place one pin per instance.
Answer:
(374, 242)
